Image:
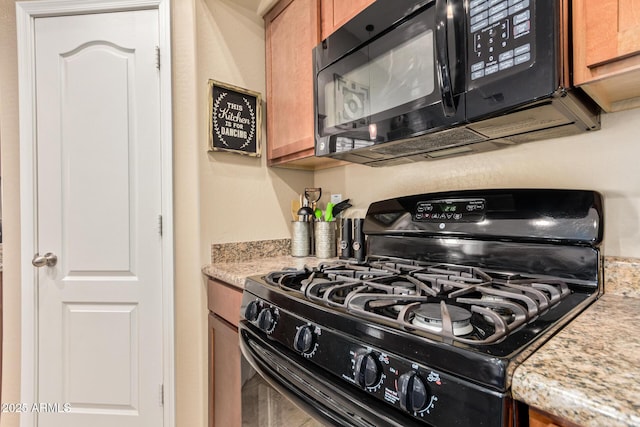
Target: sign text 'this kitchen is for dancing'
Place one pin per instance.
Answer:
(234, 119)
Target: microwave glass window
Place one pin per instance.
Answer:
(377, 78)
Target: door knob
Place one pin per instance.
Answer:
(47, 259)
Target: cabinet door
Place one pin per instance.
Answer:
(224, 300)
(538, 419)
(292, 30)
(607, 51)
(225, 386)
(336, 12)
(613, 30)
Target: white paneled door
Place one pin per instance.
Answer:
(98, 210)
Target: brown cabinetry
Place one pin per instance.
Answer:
(225, 402)
(293, 28)
(607, 51)
(334, 13)
(540, 419)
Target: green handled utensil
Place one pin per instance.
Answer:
(328, 213)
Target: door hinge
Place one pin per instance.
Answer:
(161, 394)
(160, 224)
(158, 57)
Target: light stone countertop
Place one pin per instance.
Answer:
(235, 273)
(589, 373)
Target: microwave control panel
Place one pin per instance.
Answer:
(502, 37)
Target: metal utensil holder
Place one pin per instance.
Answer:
(301, 239)
(325, 239)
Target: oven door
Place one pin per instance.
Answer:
(299, 395)
(383, 78)
(263, 405)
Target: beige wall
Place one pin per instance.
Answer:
(218, 197)
(229, 198)
(189, 292)
(241, 199)
(9, 157)
(606, 160)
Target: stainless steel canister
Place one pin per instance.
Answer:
(325, 236)
(359, 248)
(301, 239)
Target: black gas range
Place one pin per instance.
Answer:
(457, 289)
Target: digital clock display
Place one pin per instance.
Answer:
(450, 210)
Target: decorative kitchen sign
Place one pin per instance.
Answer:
(234, 119)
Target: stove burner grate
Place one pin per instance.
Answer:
(457, 303)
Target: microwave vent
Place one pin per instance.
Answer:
(429, 142)
(527, 120)
(555, 132)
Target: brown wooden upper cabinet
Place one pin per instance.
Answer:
(293, 28)
(607, 51)
(334, 13)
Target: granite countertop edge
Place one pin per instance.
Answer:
(235, 273)
(585, 374)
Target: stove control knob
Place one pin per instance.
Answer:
(305, 339)
(252, 310)
(412, 392)
(367, 370)
(267, 320)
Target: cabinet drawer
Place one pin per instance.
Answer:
(541, 419)
(224, 300)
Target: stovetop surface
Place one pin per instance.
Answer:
(479, 339)
(490, 312)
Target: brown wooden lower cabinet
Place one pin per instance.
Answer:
(225, 384)
(541, 419)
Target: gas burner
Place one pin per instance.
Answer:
(506, 314)
(311, 280)
(402, 287)
(429, 316)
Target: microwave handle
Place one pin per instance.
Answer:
(442, 59)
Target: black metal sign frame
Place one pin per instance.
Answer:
(235, 119)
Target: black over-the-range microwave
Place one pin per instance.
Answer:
(409, 80)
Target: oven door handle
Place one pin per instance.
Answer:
(442, 10)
